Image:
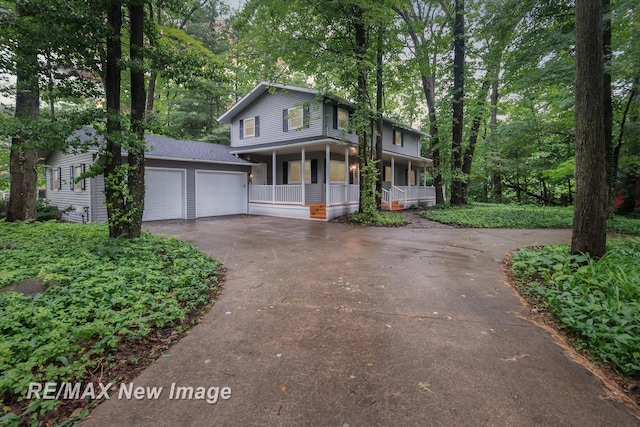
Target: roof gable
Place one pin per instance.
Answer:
(263, 87)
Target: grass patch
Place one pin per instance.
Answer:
(598, 302)
(379, 219)
(486, 215)
(102, 294)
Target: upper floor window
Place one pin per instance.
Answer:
(250, 128)
(398, 138)
(343, 119)
(296, 118)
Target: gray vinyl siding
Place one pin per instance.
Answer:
(269, 108)
(65, 196)
(411, 145)
(94, 197)
(332, 132)
(98, 206)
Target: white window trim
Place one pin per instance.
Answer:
(337, 162)
(56, 179)
(307, 167)
(80, 185)
(343, 128)
(397, 132)
(290, 110)
(244, 130)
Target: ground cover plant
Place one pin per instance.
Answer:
(102, 296)
(597, 302)
(380, 219)
(489, 215)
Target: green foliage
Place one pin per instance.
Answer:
(598, 301)
(368, 194)
(370, 214)
(487, 215)
(380, 219)
(100, 292)
(117, 182)
(44, 211)
(4, 163)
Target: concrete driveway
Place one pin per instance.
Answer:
(325, 324)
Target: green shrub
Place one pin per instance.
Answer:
(487, 215)
(44, 211)
(382, 219)
(101, 292)
(598, 301)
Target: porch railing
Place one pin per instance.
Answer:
(419, 193)
(386, 197)
(354, 192)
(283, 193)
(340, 194)
(399, 194)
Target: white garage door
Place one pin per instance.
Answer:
(164, 196)
(220, 193)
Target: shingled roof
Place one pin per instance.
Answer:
(163, 147)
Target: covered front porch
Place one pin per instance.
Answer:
(309, 181)
(405, 182)
(320, 181)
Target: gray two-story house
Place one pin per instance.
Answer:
(292, 155)
(306, 157)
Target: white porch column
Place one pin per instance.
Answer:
(424, 176)
(328, 175)
(409, 175)
(393, 172)
(302, 171)
(346, 175)
(273, 177)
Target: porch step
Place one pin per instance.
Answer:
(317, 211)
(395, 206)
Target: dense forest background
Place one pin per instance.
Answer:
(491, 82)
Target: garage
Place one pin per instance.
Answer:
(220, 193)
(165, 194)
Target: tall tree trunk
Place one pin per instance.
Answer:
(589, 221)
(135, 182)
(153, 77)
(607, 104)
(473, 135)
(457, 181)
(428, 83)
(623, 122)
(362, 107)
(113, 158)
(23, 156)
(379, 120)
(497, 176)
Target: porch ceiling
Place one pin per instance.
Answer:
(334, 147)
(404, 159)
